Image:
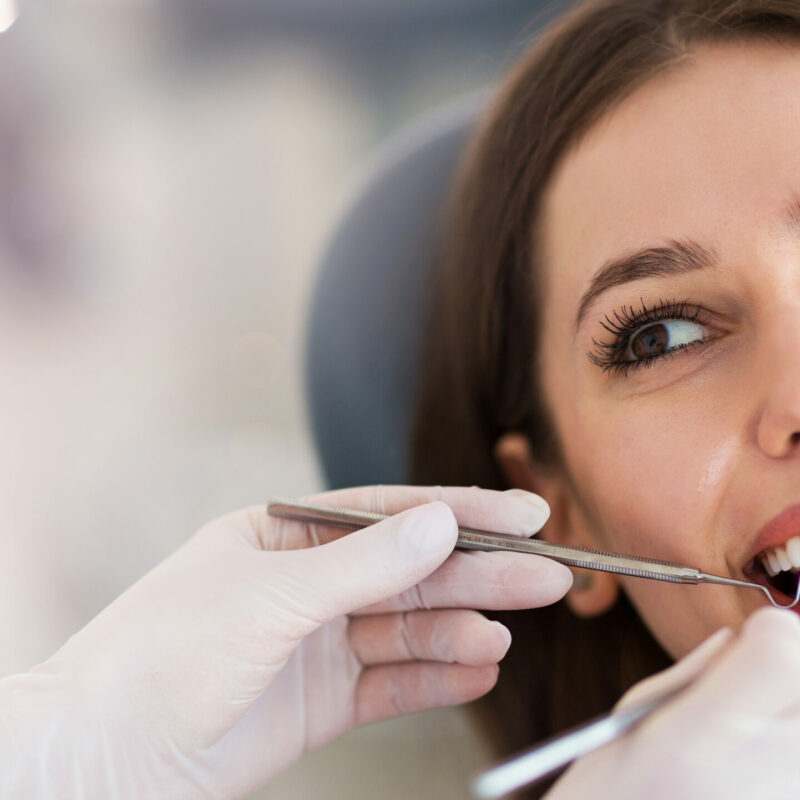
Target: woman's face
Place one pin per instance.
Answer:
(683, 440)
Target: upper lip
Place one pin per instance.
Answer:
(776, 531)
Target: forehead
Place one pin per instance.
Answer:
(709, 149)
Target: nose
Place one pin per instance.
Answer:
(779, 420)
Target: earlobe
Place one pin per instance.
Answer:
(594, 592)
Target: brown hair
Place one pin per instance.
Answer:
(480, 378)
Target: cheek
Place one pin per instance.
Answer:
(653, 485)
(650, 480)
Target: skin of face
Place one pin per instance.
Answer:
(686, 459)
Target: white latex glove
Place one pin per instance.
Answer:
(250, 646)
(735, 733)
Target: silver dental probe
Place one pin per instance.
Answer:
(583, 558)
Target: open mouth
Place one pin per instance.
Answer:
(777, 568)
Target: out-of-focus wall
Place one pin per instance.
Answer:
(169, 174)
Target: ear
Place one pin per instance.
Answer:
(593, 593)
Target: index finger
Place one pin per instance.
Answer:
(514, 512)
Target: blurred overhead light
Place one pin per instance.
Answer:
(8, 14)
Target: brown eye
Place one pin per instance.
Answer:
(650, 341)
(658, 338)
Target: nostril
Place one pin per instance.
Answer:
(795, 439)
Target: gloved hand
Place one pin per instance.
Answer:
(734, 733)
(251, 645)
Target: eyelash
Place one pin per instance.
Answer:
(626, 321)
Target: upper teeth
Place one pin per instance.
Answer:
(783, 558)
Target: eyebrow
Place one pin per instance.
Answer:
(676, 257)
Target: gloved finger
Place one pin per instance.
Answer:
(395, 689)
(492, 581)
(515, 512)
(454, 635)
(318, 584)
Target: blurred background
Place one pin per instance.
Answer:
(170, 173)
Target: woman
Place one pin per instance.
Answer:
(653, 401)
(618, 330)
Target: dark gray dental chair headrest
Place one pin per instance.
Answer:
(366, 313)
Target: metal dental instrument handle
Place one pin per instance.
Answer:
(542, 760)
(471, 539)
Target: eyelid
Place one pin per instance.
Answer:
(708, 335)
(627, 321)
